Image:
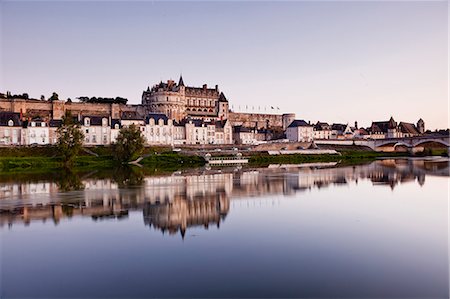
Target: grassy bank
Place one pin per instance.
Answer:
(46, 159)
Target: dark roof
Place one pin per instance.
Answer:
(338, 127)
(299, 123)
(131, 116)
(180, 82)
(94, 120)
(5, 117)
(222, 98)
(408, 128)
(115, 122)
(241, 129)
(156, 117)
(55, 123)
(383, 126)
(321, 126)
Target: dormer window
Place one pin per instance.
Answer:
(33, 124)
(87, 122)
(10, 123)
(104, 122)
(42, 124)
(116, 126)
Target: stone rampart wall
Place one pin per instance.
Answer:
(256, 119)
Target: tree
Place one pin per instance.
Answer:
(70, 139)
(129, 143)
(54, 97)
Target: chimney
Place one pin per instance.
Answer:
(356, 124)
(205, 86)
(217, 87)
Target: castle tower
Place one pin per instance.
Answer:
(223, 107)
(421, 126)
(287, 119)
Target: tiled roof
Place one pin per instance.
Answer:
(408, 128)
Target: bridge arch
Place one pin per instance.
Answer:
(421, 142)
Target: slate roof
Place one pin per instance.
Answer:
(5, 117)
(299, 123)
(222, 98)
(241, 129)
(94, 120)
(115, 122)
(156, 117)
(55, 123)
(322, 126)
(338, 127)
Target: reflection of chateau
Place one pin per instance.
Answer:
(180, 214)
(201, 198)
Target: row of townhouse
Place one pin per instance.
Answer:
(302, 131)
(157, 129)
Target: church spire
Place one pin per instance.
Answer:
(180, 82)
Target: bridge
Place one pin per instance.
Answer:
(412, 144)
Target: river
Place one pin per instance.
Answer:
(313, 230)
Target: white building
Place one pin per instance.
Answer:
(159, 129)
(322, 130)
(96, 129)
(300, 131)
(10, 128)
(35, 132)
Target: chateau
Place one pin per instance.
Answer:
(178, 101)
(173, 114)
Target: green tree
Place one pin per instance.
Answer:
(129, 144)
(70, 139)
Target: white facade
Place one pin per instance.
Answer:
(300, 131)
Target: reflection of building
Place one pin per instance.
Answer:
(197, 198)
(180, 214)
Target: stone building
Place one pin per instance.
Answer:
(178, 101)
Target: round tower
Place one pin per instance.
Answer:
(287, 119)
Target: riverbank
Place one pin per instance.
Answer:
(46, 159)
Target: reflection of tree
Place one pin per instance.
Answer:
(69, 181)
(126, 176)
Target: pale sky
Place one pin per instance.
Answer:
(328, 61)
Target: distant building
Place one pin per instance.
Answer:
(392, 129)
(322, 130)
(300, 131)
(10, 128)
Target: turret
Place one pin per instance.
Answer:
(421, 126)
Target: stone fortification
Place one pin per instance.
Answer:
(56, 109)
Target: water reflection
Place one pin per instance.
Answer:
(173, 203)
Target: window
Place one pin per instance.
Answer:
(87, 131)
(104, 122)
(42, 124)
(116, 126)
(94, 139)
(87, 121)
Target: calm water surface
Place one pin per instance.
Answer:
(322, 230)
